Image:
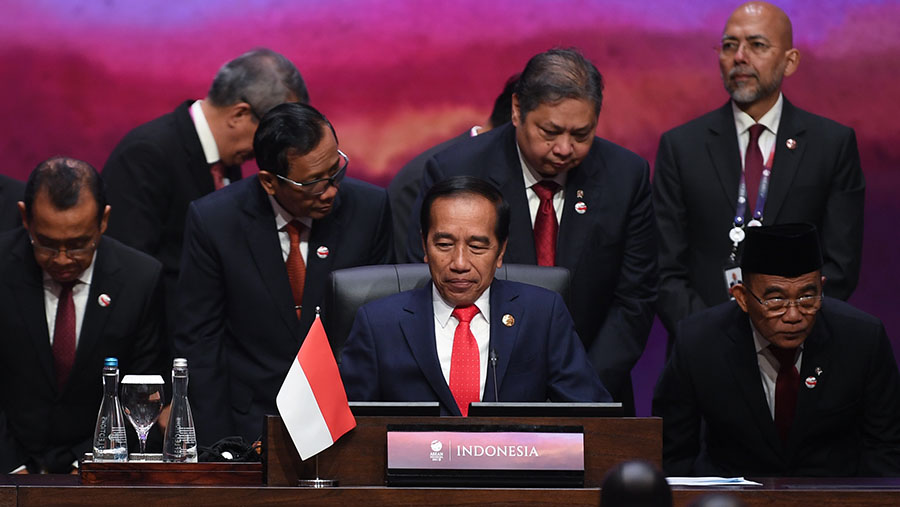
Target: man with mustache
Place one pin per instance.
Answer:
(756, 160)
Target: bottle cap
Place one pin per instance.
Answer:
(179, 362)
(111, 361)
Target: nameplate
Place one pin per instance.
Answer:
(485, 455)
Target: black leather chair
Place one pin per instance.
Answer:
(348, 289)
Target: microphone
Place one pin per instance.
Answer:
(493, 358)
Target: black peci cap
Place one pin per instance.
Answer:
(787, 250)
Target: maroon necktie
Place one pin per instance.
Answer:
(545, 225)
(786, 386)
(465, 362)
(296, 268)
(217, 171)
(64, 335)
(753, 164)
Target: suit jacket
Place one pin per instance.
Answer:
(151, 176)
(405, 187)
(695, 187)
(11, 192)
(391, 353)
(236, 322)
(716, 419)
(610, 249)
(40, 425)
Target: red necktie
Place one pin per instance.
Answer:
(296, 268)
(786, 387)
(217, 171)
(64, 335)
(465, 363)
(545, 225)
(753, 164)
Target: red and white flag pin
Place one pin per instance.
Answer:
(104, 300)
(811, 382)
(322, 252)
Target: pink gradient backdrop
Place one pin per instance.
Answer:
(397, 76)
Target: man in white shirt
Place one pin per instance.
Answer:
(69, 297)
(435, 343)
(708, 186)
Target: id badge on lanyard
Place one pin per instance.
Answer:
(731, 271)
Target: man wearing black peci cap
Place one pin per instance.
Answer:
(782, 381)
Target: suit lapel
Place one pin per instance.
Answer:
(724, 153)
(503, 338)
(786, 162)
(103, 281)
(816, 355)
(265, 249)
(745, 366)
(28, 285)
(418, 329)
(588, 178)
(325, 234)
(507, 177)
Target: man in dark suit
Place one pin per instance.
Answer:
(158, 168)
(595, 194)
(11, 192)
(434, 343)
(780, 382)
(404, 188)
(256, 260)
(69, 297)
(810, 164)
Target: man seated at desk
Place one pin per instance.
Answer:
(782, 381)
(434, 343)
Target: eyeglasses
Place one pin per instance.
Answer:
(776, 307)
(729, 47)
(252, 109)
(72, 253)
(320, 185)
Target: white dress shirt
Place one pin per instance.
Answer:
(771, 120)
(80, 292)
(207, 141)
(534, 201)
(445, 327)
(768, 367)
(282, 218)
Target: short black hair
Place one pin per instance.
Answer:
(459, 185)
(502, 112)
(558, 74)
(64, 177)
(289, 129)
(261, 77)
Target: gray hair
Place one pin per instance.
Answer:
(262, 78)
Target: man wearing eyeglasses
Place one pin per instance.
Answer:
(782, 381)
(69, 297)
(757, 159)
(159, 167)
(256, 261)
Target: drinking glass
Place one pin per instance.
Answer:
(142, 401)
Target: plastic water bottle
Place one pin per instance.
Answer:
(110, 443)
(180, 443)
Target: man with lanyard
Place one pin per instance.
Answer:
(756, 160)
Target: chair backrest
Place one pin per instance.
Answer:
(348, 289)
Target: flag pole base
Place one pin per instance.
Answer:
(317, 483)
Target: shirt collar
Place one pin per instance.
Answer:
(207, 141)
(772, 118)
(283, 217)
(443, 310)
(532, 177)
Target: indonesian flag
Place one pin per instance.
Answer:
(312, 400)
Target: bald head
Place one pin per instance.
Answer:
(764, 13)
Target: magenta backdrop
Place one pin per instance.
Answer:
(397, 76)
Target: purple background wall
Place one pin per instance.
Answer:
(397, 76)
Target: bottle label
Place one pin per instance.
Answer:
(117, 435)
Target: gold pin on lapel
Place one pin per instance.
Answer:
(508, 320)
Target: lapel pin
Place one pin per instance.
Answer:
(818, 370)
(579, 194)
(791, 144)
(508, 320)
(322, 252)
(810, 382)
(104, 300)
(580, 207)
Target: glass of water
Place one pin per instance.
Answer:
(142, 402)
